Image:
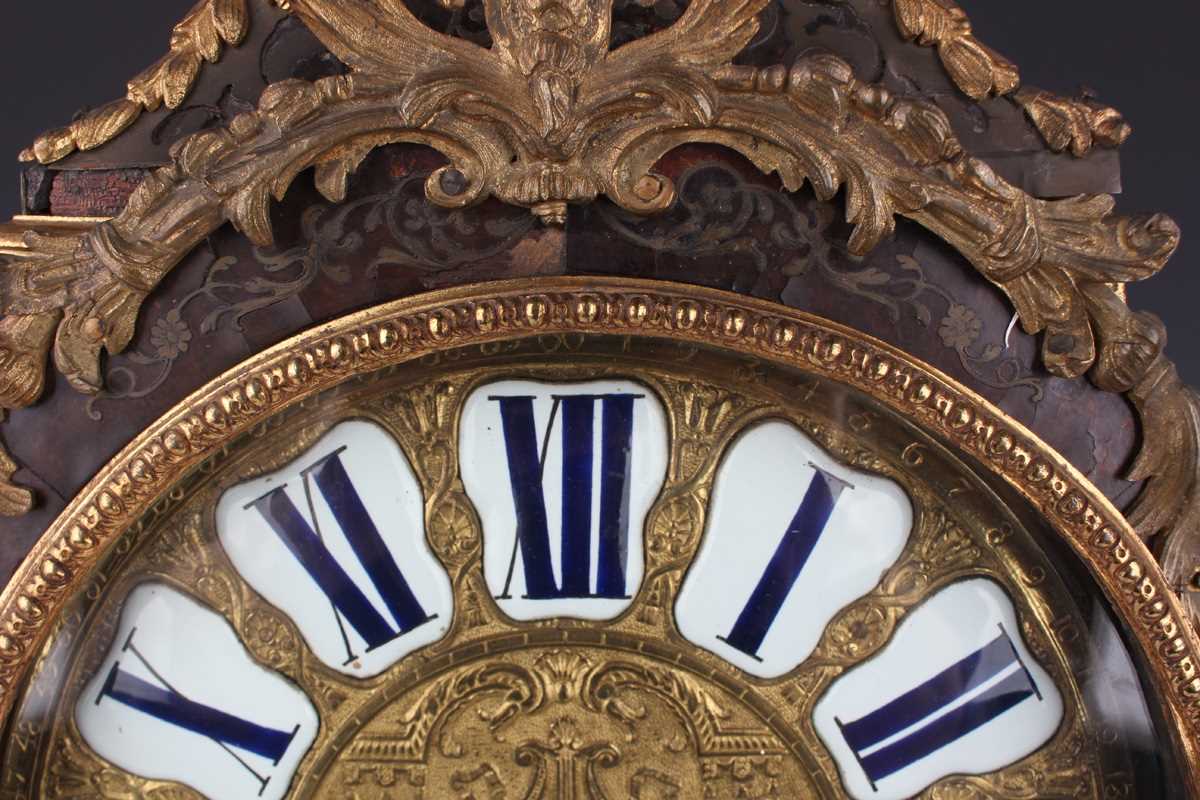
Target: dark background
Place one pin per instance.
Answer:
(62, 56)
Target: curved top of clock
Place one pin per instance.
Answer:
(683, 141)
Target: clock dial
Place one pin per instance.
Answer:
(593, 569)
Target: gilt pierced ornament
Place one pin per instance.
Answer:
(592, 537)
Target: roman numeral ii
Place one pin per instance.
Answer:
(958, 700)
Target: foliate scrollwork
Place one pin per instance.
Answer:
(761, 234)
(612, 688)
(1052, 777)
(569, 721)
(79, 774)
(428, 241)
(200, 37)
(975, 68)
(549, 115)
(1074, 124)
(564, 121)
(14, 501)
(1131, 360)
(978, 71)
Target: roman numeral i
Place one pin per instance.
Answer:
(783, 570)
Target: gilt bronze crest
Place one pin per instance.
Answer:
(477, 537)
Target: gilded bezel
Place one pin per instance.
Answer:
(414, 328)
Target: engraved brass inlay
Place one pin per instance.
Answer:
(550, 116)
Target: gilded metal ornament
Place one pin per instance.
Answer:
(14, 500)
(495, 324)
(207, 29)
(1073, 124)
(979, 72)
(572, 709)
(976, 69)
(550, 116)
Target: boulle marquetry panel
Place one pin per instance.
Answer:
(730, 229)
(590, 400)
(758, 237)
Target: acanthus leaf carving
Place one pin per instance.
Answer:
(550, 116)
(975, 68)
(1074, 124)
(1131, 360)
(980, 72)
(204, 32)
(613, 688)
(14, 500)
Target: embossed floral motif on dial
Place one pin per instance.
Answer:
(585, 569)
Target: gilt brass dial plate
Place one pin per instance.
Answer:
(575, 564)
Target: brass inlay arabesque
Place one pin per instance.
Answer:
(233, 431)
(549, 116)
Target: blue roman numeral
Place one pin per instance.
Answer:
(526, 469)
(885, 741)
(307, 545)
(168, 705)
(802, 535)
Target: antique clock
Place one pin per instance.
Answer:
(590, 400)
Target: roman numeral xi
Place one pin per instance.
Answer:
(307, 544)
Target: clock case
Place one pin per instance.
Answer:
(175, 234)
